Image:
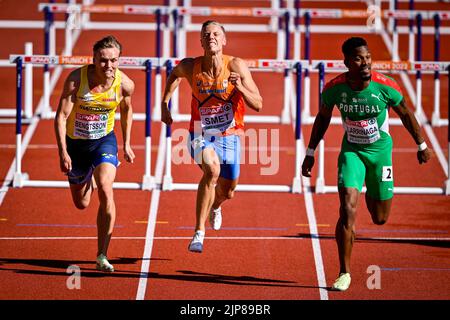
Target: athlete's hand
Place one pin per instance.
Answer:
(307, 166)
(128, 153)
(235, 79)
(424, 156)
(166, 116)
(65, 162)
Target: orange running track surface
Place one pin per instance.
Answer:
(267, 249)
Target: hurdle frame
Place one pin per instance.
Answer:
(422, 66)
(168, 183)
(22, 179)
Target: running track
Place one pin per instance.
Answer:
(265, 250)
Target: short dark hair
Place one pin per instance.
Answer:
(107, 42)
(207, 23)
(351, 43)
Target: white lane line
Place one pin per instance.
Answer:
(154, 238)
(233, 238)
(315, 240)
(154, 203)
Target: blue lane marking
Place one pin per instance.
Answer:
(414, 269)
(402, 231)
(60, 225)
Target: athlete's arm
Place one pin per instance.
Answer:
(126, 116)
(320, 126)
(65, 106)
(241, 78)
(410, 123)
(182, 70)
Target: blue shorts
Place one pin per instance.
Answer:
(227, 148)
(86, 155)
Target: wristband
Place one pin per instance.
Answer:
(422, 146)
(309, 152)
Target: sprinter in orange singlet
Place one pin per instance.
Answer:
(84, 127)
(221, 86)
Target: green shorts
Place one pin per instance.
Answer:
(371, 164)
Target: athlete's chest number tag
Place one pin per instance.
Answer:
(362, 131)
(219, 117)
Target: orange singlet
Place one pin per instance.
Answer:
(216, 104)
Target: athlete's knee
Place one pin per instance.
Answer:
(379, 210)
(380, 218)
(211, 172)
(105, 190)
(82, 203)
(347, 215)
(229, 194)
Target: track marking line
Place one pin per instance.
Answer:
(312, 224)
(153, 211)
(224, 238)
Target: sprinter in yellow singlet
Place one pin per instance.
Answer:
(84, 127)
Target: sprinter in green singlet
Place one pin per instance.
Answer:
(363, 97)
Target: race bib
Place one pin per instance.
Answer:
(90, 126)
(362, 131)
(217, 118)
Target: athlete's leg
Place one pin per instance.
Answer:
(379, 209)
(210, 166)
(81, 194)
(105, 174)
(345, 227)
(224, 191)
(229, 149)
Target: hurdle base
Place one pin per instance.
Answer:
(47, 113)
(148, 182)
(19, 179)
(296, 185)
(320, 185)
(285, 117)
(447, 187)
(167, 184)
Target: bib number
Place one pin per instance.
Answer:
(90, 126)
(217, 118)
(362, 131)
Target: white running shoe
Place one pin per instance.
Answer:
(196, 244)
(342, 282)
(103, 264)
(215, 218)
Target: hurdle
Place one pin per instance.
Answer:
(7, 115)
(296, 66)
(172, 14)
(21, 179)
(394, 14)
(422, 66)
(74, 11)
